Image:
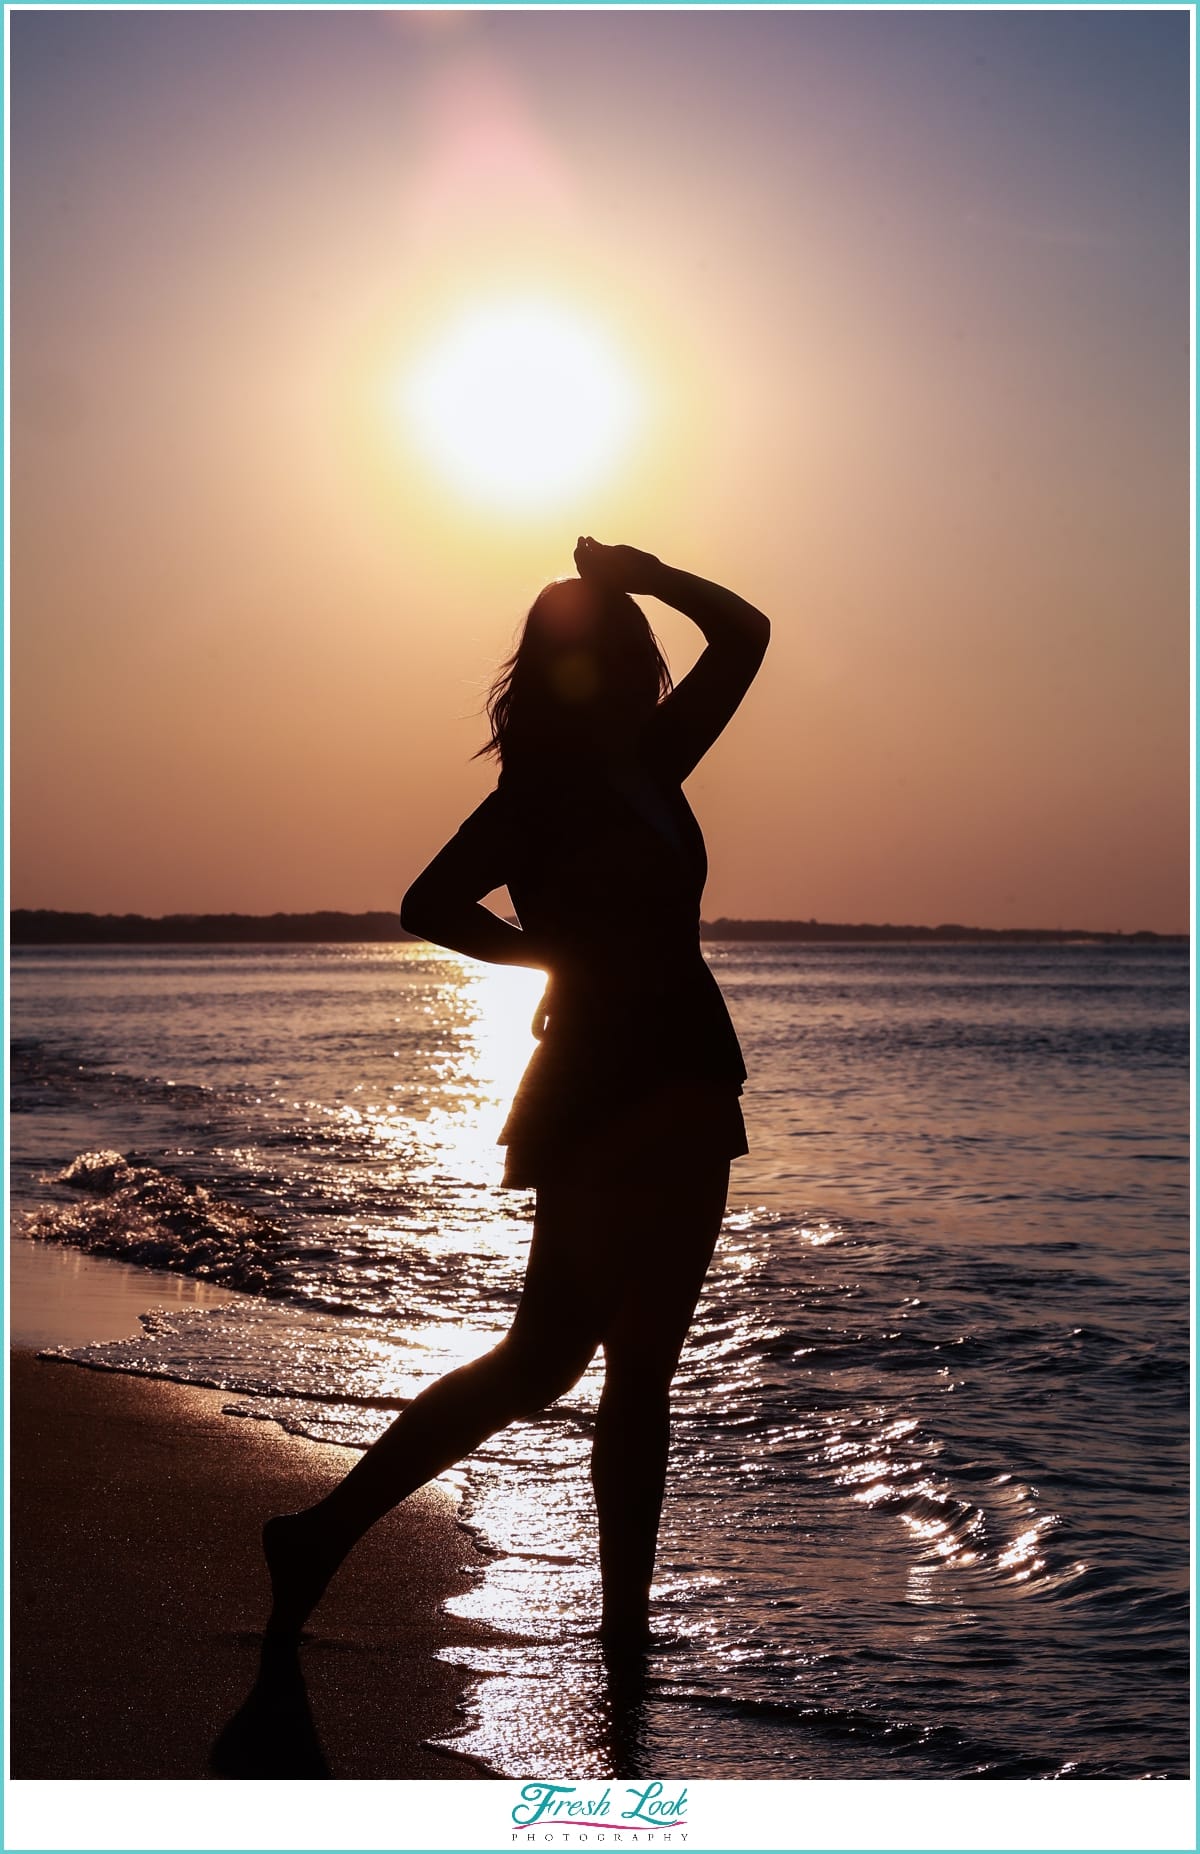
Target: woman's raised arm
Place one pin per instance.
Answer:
(686, 724)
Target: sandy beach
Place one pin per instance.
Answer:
(138, 1592)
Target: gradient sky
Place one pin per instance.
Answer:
(907, 298)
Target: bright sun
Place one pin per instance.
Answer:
(522, 403)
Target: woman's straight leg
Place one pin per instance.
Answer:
(678, 1222)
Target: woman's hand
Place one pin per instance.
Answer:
(622, 569)
(541, 1015)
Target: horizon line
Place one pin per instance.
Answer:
(53, 924)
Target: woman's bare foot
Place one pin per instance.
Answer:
(625, 1635)
(300, 1570)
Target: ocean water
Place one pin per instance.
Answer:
(928, 1514)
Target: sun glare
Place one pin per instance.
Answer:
(521, 404)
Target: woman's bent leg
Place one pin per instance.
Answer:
(554, 1335)
(447, 1421)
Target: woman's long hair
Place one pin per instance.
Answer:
(587, 671)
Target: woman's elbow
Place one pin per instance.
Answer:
(758, 634)
(417, 912)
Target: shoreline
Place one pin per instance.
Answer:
(62, 1296)
(138, 1593)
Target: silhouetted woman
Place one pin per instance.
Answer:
(628, 1114)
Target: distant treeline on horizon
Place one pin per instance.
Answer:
(51, 927)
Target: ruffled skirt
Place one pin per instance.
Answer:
(659, 1121)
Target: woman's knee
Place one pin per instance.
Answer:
(535, 1377)
(639, 1378)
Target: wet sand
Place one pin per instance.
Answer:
(138, 1592)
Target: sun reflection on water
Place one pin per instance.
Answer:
(466, 1090)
